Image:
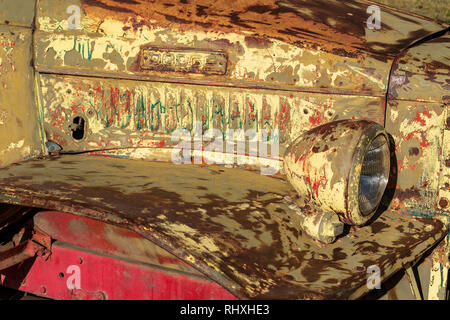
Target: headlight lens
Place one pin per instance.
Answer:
(374, 175)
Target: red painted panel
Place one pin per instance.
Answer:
(107, 239)
(75, 273)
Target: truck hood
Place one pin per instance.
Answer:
(331, 24)
(319, 46)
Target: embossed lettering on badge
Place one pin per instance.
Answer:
(184, 60)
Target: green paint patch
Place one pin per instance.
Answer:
(83, 46)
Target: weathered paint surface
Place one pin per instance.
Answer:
(430, 273)
(324, 166)
(290, 67)
(417, 129)
(17, 13)
(231, 224)
(417, 118)
(19, 122)
(421, 73)
(444, 182)
(107, 239)
(439, 272)
(105, 277)
(126, 114)
(277, 44)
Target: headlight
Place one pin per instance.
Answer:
(342, 167)
(374, 175)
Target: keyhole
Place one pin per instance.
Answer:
(78, 128)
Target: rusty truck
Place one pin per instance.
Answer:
(195, 149)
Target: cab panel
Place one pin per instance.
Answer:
(19, 116)
(17, 13)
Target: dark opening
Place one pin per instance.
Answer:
(78, 128)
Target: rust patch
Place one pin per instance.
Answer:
(443, 202)
(321, 22)
(414, 151)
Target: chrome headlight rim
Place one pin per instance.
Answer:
(354, 213)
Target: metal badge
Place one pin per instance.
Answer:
(184, 60)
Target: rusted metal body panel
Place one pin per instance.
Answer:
(18, 254)
(290, 66)
(290, 45)
(327, 23)
(63, 256)
(107, 239)
(19, 118)
(437, 289)
(135, 71)
(444, 183)
(104, 277)
(430, 275)
(17, 13)
(417, 118)
(126, 114)
(417, 128)
(421, 73)
(231, 224)
(136, 118)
